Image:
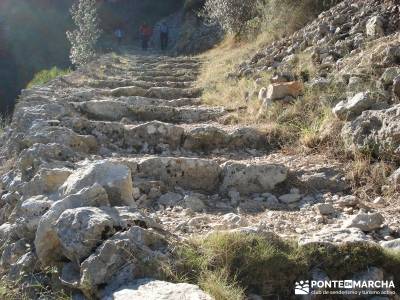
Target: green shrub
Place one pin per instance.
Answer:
(45, 76)
(286, 16)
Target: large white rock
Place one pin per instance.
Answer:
(46, 181)
(396, 86)
(194, 202)
(393, 244)
(395, 177)
(44, 134)
(290, 198)
(281, 90)
(365, 221)
(115, 178)
(29, 213)
(389, 75)
(330, 235)
(120, 258)
(374, 27)
(150, 289)
(375, 130)
(80, 230)
(47, 242)
(188, 173)
(353, 107)
(248, 178)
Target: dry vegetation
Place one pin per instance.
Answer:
(230, 265)
(307, 125)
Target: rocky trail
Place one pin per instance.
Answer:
(120, 159)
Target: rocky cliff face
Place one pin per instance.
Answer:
(111, 166)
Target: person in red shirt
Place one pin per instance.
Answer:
(145, 33)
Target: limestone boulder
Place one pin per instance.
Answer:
(153, 135)
(395, 177)
(377, 131)
(12, 252)
(46, 181)
(325, 209)
(79, 231)
(204, 139)
(389, 75)
(47, 243)
(332, 235)
(195, 202)
(43, 134)
(249, 137)
(7, 233)
(170, 199)
(28, 215)
(396, 86)
(8, 202)
(346, 110)
(115, 178)
(277, 91)
(290, 198)
(188, 173)
(30, 160)
(128, 91)
(26, 264)
(103, 109)
(250, 177)
(262, 94)
(365, 221)
(169, 93)
(374, 27)
(393, 244)
(155, 290)
(121, 259)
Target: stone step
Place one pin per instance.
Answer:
(187, 78)
(166, 93)
(116, 83)
(139, 60)
(157, 137)
(174, 73)
(179, 102)
(108, 110)
(166, 66)
(207, 175)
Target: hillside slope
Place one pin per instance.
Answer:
(117, 181)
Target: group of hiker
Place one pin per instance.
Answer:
(146, 32)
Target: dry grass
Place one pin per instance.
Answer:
(368, 177)
(12, 290)
(231, 265)
(307, 125)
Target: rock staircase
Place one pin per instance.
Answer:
(126, 134)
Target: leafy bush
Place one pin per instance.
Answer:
(45, 76)
(83, 39)
(280, 17)
(276, 16)
(231, 15)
